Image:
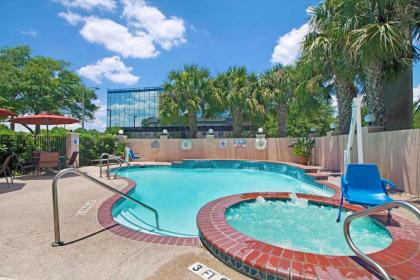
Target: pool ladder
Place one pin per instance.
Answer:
(387, 206)
(108, 159)
(57, 239)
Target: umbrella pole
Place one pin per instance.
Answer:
(48, 141)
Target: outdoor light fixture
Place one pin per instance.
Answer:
(312, 129)
(120, 132)
(211, 131)
(333, 126)
(260, 130)
(165, 132)
(370, 118)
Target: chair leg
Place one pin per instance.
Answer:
(389, 216)
(339, 211)
(10, 174)
(7, 180)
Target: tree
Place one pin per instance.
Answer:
(238, 93)
(323, 49)
(276, 84)
(186, 95)
(379, 40)
(32, 85)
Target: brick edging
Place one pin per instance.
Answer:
(263, 261)
(105, 219)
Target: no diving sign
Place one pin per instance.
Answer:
(205, 272)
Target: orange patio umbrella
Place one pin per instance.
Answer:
(44, 119)
(6, 113)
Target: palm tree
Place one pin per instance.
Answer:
(186, 92)
(379, 40)
(323, 51)
(276, 84)
(237, 92)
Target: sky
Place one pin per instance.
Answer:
(135, 43)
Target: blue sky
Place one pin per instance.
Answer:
(135, 43)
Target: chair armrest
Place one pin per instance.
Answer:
(388, 182)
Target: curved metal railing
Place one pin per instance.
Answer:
(108, 159)
(57, 239)
(346, 227)
(101, 158)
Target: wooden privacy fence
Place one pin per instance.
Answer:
(397, 153)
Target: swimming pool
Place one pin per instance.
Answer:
(178, 192)
(305, 226)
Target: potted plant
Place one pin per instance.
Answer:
(302, 149)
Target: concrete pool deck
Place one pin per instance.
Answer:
(26, 233)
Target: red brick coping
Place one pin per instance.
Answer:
(106, 220)
(263, 261)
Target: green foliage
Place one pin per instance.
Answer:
(24, 144)
(302, 119)
(36, 84)
(416, 114)
(112, 130)
(92, 146)
(186, 95)
(303, 147)
(239, 93)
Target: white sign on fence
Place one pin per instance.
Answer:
(205, 272)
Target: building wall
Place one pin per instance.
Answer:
(126, 106)
(397, 153)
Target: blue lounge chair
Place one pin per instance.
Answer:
(363, 185)
(133, 155)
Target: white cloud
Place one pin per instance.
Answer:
(146, 28)
(111, 68)
(167, 32)
(416, 93)
(90, 4)
(99, 122)
(29, 32)
(116, 37)
(287, 49)
(71, 18)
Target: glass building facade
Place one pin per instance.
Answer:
(132, 107)
(136, 111)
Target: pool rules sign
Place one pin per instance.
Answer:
(205, 272)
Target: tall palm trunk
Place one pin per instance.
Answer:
(282, 119)
(375, 92)
(237, 122)
(346, 91)
(192, 123)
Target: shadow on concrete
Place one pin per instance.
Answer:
(43, 176)
(89, 235)
(4, 188)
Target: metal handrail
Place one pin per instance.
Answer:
(109, 157)
(114, 157)
(58, 241)
(100, 164)
(346, 227)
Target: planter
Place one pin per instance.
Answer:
(302, 160)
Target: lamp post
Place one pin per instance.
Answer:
(134, 125)
(83, 105)
(110, 111)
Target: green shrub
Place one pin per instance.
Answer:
(303, 147)
(92, 146)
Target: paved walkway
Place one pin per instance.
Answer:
(26, 234)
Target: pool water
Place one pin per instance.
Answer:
(179, 193)
(302, 226)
